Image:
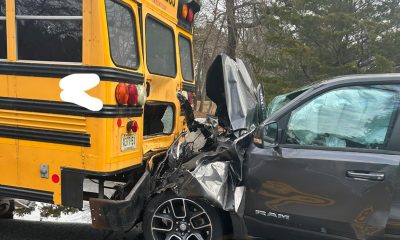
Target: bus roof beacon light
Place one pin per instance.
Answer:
(190, 15)
(188, 9)
(185, 11)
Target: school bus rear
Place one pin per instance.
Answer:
(141, 52)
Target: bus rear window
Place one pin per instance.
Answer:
(49, 30)
(3, 34)
(122, 35)
(160, 48)
(185, 51)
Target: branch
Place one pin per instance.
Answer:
(248, 25)
(246, 4)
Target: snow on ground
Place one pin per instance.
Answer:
(78, 217)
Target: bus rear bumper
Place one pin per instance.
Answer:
(121, 215)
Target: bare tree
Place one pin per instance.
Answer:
(222, 26)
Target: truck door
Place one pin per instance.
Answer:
(334, 173)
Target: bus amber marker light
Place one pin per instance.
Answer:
(74, 89)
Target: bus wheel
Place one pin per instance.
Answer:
(6, 209)
(169, 217)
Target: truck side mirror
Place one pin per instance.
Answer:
(266, 136)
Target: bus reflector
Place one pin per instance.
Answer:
(121, 94)
(55, 178)
(133, 95)
(119, 122)
(185, 10)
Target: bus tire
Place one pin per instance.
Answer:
(7, 208)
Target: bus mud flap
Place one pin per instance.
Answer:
(120, 215)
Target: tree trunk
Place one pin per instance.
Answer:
(205, 65)
(232, 31)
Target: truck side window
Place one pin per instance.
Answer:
(185, 51)
(122, 34)
(349, 117)
(160, 48)
(3, 33)
(49, 30)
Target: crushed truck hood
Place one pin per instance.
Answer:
(238, 97)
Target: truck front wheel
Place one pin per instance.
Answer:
(169, 217)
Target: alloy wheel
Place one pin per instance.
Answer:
(181, 219)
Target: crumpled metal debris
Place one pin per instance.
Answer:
(213, 175)
(215, 171)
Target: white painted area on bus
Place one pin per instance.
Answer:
(74, 89)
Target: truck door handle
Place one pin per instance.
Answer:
(373, 176)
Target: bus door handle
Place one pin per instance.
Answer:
(373, 176)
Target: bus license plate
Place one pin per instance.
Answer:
(128, 142)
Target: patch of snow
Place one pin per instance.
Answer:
(78, 217)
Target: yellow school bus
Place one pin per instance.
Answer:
(141, 50)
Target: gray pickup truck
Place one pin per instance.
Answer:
(324, 164)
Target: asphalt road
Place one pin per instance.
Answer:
(35, 230)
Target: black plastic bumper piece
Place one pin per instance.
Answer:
(120, 215)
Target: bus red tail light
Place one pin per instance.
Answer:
(133, 95)
(135, 127)
(132, 126)
(121, 94)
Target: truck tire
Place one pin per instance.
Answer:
(168, 216)
(6, 209)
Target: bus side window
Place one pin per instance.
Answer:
(185, 51)
(49, 30)
(122, 35)
(160, 48)
(3, 34)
